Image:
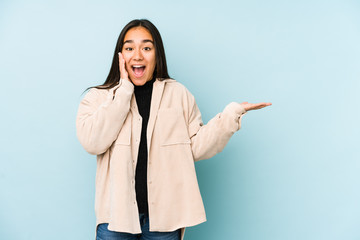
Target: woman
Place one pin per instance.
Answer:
(146, 131)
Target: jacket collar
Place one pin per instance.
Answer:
(158, 89)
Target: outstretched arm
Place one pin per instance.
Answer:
(210, 139)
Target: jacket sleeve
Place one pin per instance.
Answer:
(101, 114)
(210, 139)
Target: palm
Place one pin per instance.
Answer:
(254, 106)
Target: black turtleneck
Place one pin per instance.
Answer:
(143, 100)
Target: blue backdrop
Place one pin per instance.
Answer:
(291, 172)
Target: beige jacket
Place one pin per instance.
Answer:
(109, 125)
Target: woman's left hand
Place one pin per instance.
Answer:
(254, 106)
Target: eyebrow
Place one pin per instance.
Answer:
(144, 41)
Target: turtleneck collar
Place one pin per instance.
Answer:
(146, 87)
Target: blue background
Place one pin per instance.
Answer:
(291, 172)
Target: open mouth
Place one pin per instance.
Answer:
(138, 70)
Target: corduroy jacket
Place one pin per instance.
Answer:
(109, 125)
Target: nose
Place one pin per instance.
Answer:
(138, 55)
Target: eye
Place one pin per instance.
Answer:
(128, 49)
(147, 48)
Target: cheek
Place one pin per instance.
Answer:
(153, 61)
(127, 60)
(126, 57)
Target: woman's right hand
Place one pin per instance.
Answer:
(123, 73)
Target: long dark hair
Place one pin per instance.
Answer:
(160, 70)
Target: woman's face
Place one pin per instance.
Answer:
(139, 54)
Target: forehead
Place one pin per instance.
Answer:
(138, 34)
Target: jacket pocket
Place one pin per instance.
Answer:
(124, 136)
(172, 127)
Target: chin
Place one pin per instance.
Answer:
(138, 82)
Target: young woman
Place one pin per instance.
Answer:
(146, 131)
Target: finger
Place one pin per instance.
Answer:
(120, 61)
(261, 105)
(266, 103)
(255, 106)
(123, 72)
